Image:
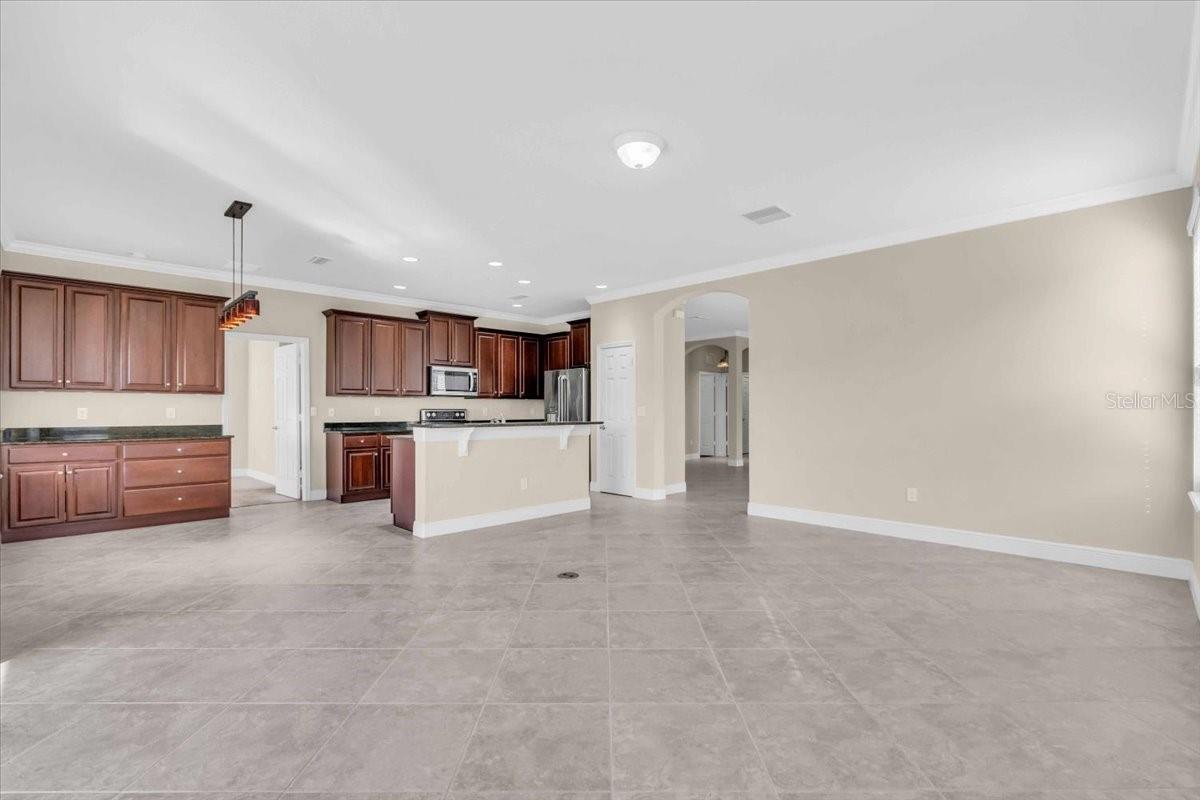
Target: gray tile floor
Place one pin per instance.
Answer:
(313, 648)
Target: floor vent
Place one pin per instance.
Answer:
(566, 576)
(764, 215)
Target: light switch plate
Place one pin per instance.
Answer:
(312, 411)
(331, 412)
(377, 411)
(81, 413)
(912, 495)
(641, 411)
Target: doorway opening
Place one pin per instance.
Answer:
(716, 378)
(267, 390)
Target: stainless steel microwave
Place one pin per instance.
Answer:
(454, 381)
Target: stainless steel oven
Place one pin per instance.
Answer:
(454, 381)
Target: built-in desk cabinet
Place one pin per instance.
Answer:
(63, 489)
(83, 335)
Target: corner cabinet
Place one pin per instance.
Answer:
(83, 335)
(367, 354)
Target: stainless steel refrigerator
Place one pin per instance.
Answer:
(567, 394)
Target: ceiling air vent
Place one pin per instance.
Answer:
(319, 260)
(765, 215)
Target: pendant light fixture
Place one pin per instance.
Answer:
(724, 362)
(244, 306)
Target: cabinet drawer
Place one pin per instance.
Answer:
(175, 471)
(364, 440)
(138, 502)
(41, 453)
(208, 447)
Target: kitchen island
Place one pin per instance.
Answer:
(448, 478)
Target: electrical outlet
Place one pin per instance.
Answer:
(524, 483)
(81, 413)
(912, 495)
(331, 412)
(377, 411)
(170, 412)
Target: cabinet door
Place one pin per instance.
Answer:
(439, 341)
(385, 357)
(36, 495)
(531, 368)
(362, 470)
(349, 357)
(90, 338)
(147, 333)
(385, 468)
(199, 346)
(556, 352)
(35, 334)
(507, 358)
(485, 352)
(462, 344)
(413, 357)
(91, 491)
(581, 345)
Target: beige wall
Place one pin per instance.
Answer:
(488, 479)
(260, 407)
(237, 351)
(284, 313)
(973, 367)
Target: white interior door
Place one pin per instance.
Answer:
(615, 447)
(745, 414)
(708, 428)
(287, 420)
(721, 414)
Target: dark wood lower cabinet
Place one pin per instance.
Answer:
(404, 494)
(354, 468)
(65, 489)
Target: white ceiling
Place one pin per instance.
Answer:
(462, 133)
(715, 315)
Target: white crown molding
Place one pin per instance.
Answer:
(1123, 560)
(267, 282)
(730, 334)
(1112, 194)
(1188, 159)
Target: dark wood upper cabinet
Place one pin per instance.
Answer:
(558, 352)
(581, 343)
(508, 356)
(199, 346)
(347, 354)
(385, 357)
(530, 385)
(413, 357)
(485, 351)
(90, 334)
(34, 315)
(451, 339)
(147, 341)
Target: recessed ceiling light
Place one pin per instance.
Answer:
(410, 259)
(517, 305)
(524, 282)
(601, 285)
(495, 263)
(638, 149)
(398, 286)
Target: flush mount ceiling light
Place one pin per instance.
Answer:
(242, 307)
(399, 286)
(601, 285)
(495, 263)
(410, 259)
(638, 149)
(524, 282)
(518, 305)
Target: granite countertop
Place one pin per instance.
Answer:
(511, 423)
(368, 427)
(402, 428)
(117, 433)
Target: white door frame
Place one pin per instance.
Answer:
(306, 492)
(599, 411)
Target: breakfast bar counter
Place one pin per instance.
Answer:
(448, 478)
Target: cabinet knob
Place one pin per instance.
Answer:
(178, 449)
(168, 383)
(178, 472)
(64, 455)
(68, 380)
(179, 499)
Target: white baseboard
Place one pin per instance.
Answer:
(649, 494)
(1194, 583)
(691, 456)
(424, 530)
(593, 487)
(255, 474)
(1123, 560)
(318, 494)
(677, 488)
(735, 462)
